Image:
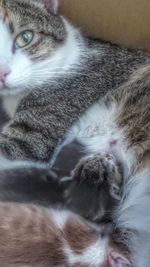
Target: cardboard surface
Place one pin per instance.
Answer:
(124, 22)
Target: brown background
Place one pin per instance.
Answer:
(125, 22)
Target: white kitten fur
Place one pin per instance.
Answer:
(93, 256)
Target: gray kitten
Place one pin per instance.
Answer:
(58, 72)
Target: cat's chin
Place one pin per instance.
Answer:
(7, 91)
(1, 85)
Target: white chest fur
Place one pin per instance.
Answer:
(10, 104)
(98, 132)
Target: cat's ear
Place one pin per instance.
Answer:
(51, 5)
(117, 259)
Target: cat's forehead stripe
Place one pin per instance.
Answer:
(19, 13)
(6, 17)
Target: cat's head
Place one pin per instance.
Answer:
(32, 43)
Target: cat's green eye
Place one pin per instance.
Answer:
(24, 39)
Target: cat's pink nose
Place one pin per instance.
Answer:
(3, 75)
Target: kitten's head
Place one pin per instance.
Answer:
(33, 37)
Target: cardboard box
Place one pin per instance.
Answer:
(124, 22)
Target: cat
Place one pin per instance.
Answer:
(34, 236)
(57, 71)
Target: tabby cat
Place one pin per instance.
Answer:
(62, 73)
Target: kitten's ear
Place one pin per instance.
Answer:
(117, 259)
(51, 5)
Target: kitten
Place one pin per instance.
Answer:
(60, 72)
(95, 187)
(35, 236)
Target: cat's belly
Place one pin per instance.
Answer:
(95, 132)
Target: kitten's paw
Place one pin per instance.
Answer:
(99, 169)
